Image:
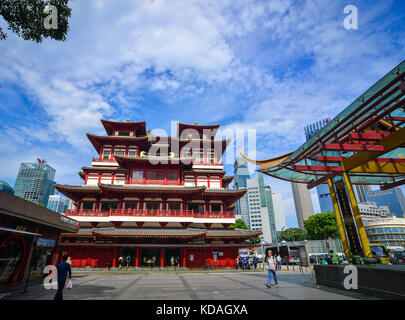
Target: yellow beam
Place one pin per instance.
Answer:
(339, 220)
(380, 167)
(391, 142)
(357, 218)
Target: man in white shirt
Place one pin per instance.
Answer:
(272, 269)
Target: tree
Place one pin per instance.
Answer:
(240, 224)
(293, 234)
(322, 226)
(27, 19)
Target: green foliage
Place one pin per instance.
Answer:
(293, 234)
(240, 224)
(321, 226)
(26, 19)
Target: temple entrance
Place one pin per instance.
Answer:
(129, 256)
(176, 254)
(150, 257)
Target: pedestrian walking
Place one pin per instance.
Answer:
(278, 260)
(272, 266)
(172, 261)
(64, 273)
(255, 262)
(128, 260)
(154, 261)
(120, 262)
(244, 263)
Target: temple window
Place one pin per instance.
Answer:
(155, 175)
(216, 207)
(109, 205)
(137, 176)
(196, 207)
(88, 205)
(153, 206)
(174, 206)
(106, 154)
(119, 152)
(124, 133)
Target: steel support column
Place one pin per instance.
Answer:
(356, 213)
(338, 216)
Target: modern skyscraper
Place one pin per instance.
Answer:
(35, 182)
(325, 201)
(392, 198)
(303, 203)
(57, 203)
(260, 208)
(279, 213)
(4, 186)
(241, 175)
(361, 191)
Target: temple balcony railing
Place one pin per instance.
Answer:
(156, 182)
(109, 159)
(150, 213)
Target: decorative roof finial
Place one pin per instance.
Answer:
(127, 120)
(195, 123)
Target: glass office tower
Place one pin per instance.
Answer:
(35, 182)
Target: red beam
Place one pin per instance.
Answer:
(368, 136)
(318, 168)
(352, 147)
(329, 158)
(392, 185)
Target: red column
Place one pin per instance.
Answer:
(114, 257)
(137, 257)
(162, 257)
(184, 256)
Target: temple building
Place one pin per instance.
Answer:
(151, 198)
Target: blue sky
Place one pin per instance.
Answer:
(273, 66)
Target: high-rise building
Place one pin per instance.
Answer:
(303, 203)
(393, 198)
(35, 182)
(4, 186)
(279, 213)
(241, 175)
(361, 191)
(325, 200)
(57, 203)
(260, 208)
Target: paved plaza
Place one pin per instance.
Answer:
(188, 286)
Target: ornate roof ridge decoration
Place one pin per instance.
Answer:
(113, 232)
(82, 175)
(226, 181)
(94, 139)
(149, 232)
(109, 123)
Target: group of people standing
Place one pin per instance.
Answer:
(127, 261)
(246, 263)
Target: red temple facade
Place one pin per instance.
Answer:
(153, 198)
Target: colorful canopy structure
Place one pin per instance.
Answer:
(364, 144)
(366, 140)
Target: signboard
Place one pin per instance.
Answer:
(191, 257)
(303, 256)
(46, 243)
(349, 223)
(215, 256)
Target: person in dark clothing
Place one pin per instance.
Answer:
(63, 271)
